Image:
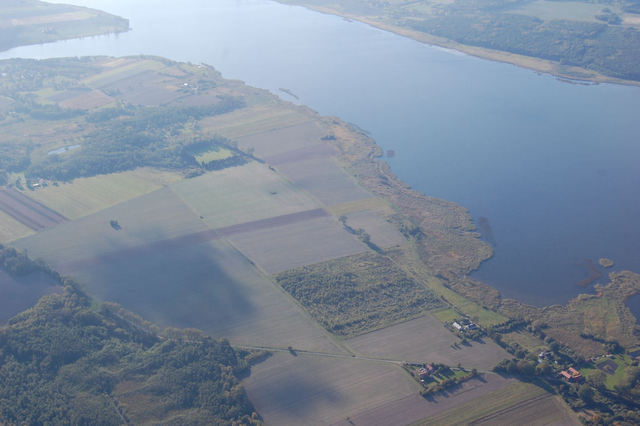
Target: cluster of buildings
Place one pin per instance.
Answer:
(424, 372)
(464, 325)
(572, 375)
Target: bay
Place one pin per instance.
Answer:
(552, 166)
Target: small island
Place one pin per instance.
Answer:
(605, 262)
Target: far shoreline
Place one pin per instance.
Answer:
(572, 73)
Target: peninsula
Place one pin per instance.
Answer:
(24, 22)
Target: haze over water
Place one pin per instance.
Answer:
(552, 165)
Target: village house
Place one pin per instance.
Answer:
(424, 372)
(572, 375)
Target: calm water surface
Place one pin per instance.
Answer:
(552, 165)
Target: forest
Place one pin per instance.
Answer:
(71, 360)
(125, 139)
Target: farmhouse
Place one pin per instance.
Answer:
(544, 355)
(572, 375)
(464, 325)
(424, 372)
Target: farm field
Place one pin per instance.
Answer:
(282, 140)
(526, 340)
(27, 211)
(84, 196)
(426, 340)
(242, 194)
(289, 246)
(412, 409)
(154, 217)
(11, 229)
(21, 293)
(208, 286)
(254, 119)
(123, 71)
(383, 234)
(314, 390)
(88, 100)
(515, 403)
(323, 178)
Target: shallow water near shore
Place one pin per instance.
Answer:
(634, 305)
(553, 166)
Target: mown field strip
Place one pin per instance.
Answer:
(27, 211)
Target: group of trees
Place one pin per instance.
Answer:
(591, 45)
(351, 295)
(61, 362)
(126, 139)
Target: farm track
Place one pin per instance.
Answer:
(319, 354)
(197, 238)
(28, 211)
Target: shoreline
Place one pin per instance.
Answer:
(573, 74)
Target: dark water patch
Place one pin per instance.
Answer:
(20, 293)
(485, 229)
(634, 305)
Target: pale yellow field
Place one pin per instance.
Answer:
(10, 229)
(88, 195)
(252, 120)
(114, 74)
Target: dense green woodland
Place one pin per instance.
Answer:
(350, 296)
(69, 360)
(135, 138)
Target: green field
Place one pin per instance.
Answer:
(477, 313)
(526, 340)
(445, 315)
(612, 378)
(213, 155)
(84, 196)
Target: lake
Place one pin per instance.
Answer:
(551, 167)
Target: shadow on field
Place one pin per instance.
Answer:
(178, 286)
(297, 395)
(20, 293)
